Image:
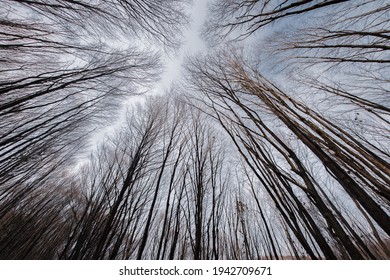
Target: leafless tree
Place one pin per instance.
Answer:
(249, 16)
(237, 93)
(62, 78)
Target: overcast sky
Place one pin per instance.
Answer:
(192, 44)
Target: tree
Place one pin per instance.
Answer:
(334, 59)
(250, 16)
(139, 186)
(65, 69)
(236, 93)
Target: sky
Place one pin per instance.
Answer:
(192, 43)
(172, 65)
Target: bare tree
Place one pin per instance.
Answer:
(337, 59)
(249, 16)
(231, 86)
(62, 78)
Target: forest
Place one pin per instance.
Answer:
(273, 144)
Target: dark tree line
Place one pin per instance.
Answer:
(155, 190)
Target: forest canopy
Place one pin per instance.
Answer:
(273, 144)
